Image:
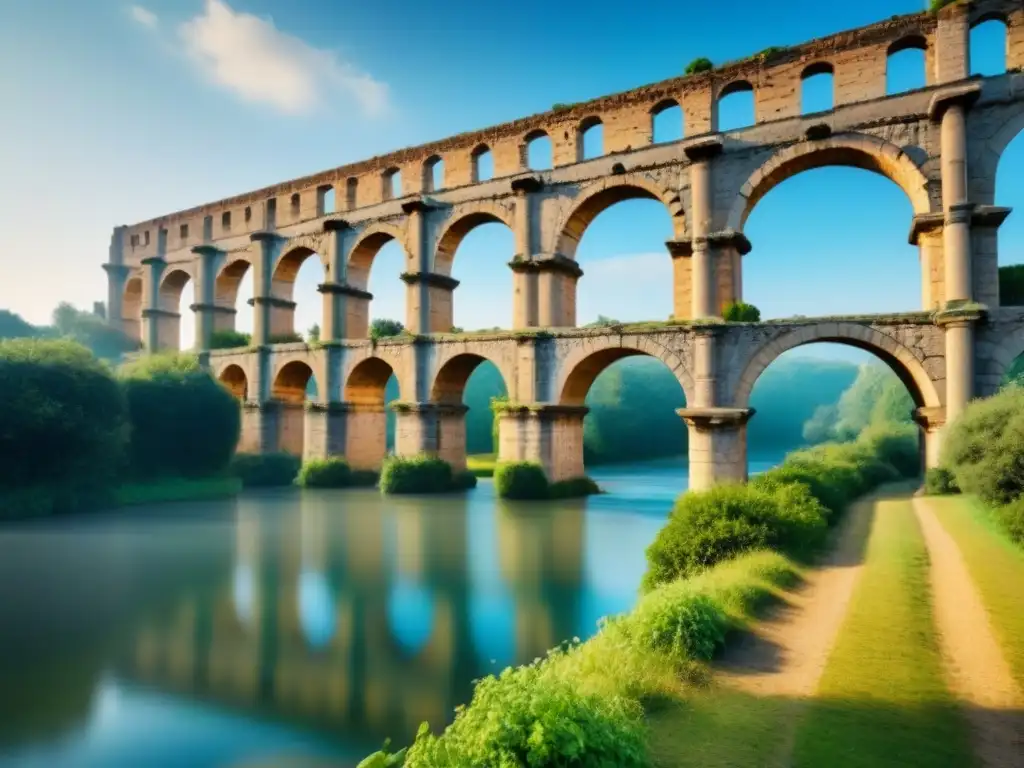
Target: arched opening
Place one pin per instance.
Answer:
(482, 164)
(243, 593)
(392, 184)
(590, 138)
(352, 194)
(297, 304)
(175, 322)
(798, 231)
(370, 388)
(632, 399)
(293, 386)
(318, 618)
(471, 380)
(234, 380)
(905, 65)
(374, 266)
(618, 236)
(433, 174)
(233, 316)
(492, 604)
(325, 200)
(816, 88)
(667, 122)
(1009, 192)
(131, 309)
(538, 151)
(830, 389)
(410, 598)
(485, 244)
(735, 106)
(988, 46)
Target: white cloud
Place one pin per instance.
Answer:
(143, 16)
(260, 63)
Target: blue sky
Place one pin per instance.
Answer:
(117, 112)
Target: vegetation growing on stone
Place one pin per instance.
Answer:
(382, 328)
(422, 474)
(741, 312)
(285, 338)
(333, 472)
(227, 339)
(698, 65)
(527, 481)
(265, 470)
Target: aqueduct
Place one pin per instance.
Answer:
(940, 144)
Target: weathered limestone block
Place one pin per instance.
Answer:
(260, 427)
(356, 433)
(433, 429)
(718, 445)
(550, 435)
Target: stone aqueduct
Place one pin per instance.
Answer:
(940, 144)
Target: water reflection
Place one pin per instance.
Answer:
(309, 622)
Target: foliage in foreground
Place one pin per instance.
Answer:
(264, 470)
(422, 474)
(527, 481)
(333, 472)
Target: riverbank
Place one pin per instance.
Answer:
(177, 489)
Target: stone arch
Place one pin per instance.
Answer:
(465, 221)
(851, 150)
(449, 382)
(293, 256)
(586, 362)
(602, 195)
(229, 279)
(131, 307)
(995, 357)
(367, 380)
(365, 250)
(901, 360)
(290, 381)
(235, 381)
(172, 283)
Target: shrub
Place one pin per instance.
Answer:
(183, 422)
(699, 65)
(1011, 518)
(984, 447)
(64, 426)
(573, 488)
(711, 526)
(363, 478)
(262, 470)
(530, 717)
(897, 445)
(422, 474)
(741, 312)
(227, 339)
(325, 473)
(938, 5)
(520, 480)
(815, 478)
(285, 338)
(939, 481)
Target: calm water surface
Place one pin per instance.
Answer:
(297, 628)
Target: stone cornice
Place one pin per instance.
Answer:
(527, 184)
(215, 308)
(964, 95)
(543, 410)
(344, 289)
(725, 239)
(990, 215)
(154, 261)
(336, 225)
(206, 250)
(704, 149)
(272, 301)
(439, 409)
(709, 418)
(932, 417)
(554, 263)
(679, 249)
(117, 269)
(979, 216)
(963, 313)
(924, 223)
(430, 278)
(265, 237)
(159, 313)
(418, 205)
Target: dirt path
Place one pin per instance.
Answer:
(786, 653)
(978, 672)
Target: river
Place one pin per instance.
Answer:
(293, 627)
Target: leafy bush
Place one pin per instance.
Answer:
(530, 717)
(64, 426)
(422, 474)
(939, 481)
(698, 65)
(984, 447)
(816, 479)
(898, 445)
(262, 470)
(363, 478)
(741, 312)
(183, 422)
(382, 328)
(229, 339)
(520, 480)
(1011, 518)
(325, 473)
(709, 527)
(574, 488)
(285, 338)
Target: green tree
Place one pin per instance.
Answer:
(382, 328)
(702, 64)
(313, 334)
(91, 330)
(876, 397)
(12, 326)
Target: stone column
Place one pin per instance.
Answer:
(346, 309)
(117, 278)
(153, 315)
(926, 234)
(417, 301)
(728, 249)
(681, 252)
(550, 435)
(436, 293)
(557, 277)
(949, 58)
(355, 432)
(931, 421)
(260, 427)
(718, 445)
(205, 307)
(268, 244)
(702, 269)
(959, 326)
(291, 427)
(985, 223)
(525, 310)
(435, 429)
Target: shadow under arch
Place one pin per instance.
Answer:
(131, 308)
(226, 288)
(235, 381)
(581, 368)
(289, 388)
(365, 393)
(847, 150)
(168, 319)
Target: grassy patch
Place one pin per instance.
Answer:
(996, 566)
(482, 464)
(882, 699)
(177, 489)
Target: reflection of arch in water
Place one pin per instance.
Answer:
(410, 614)
(492, 607)
(317, 616)
(243, 592)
